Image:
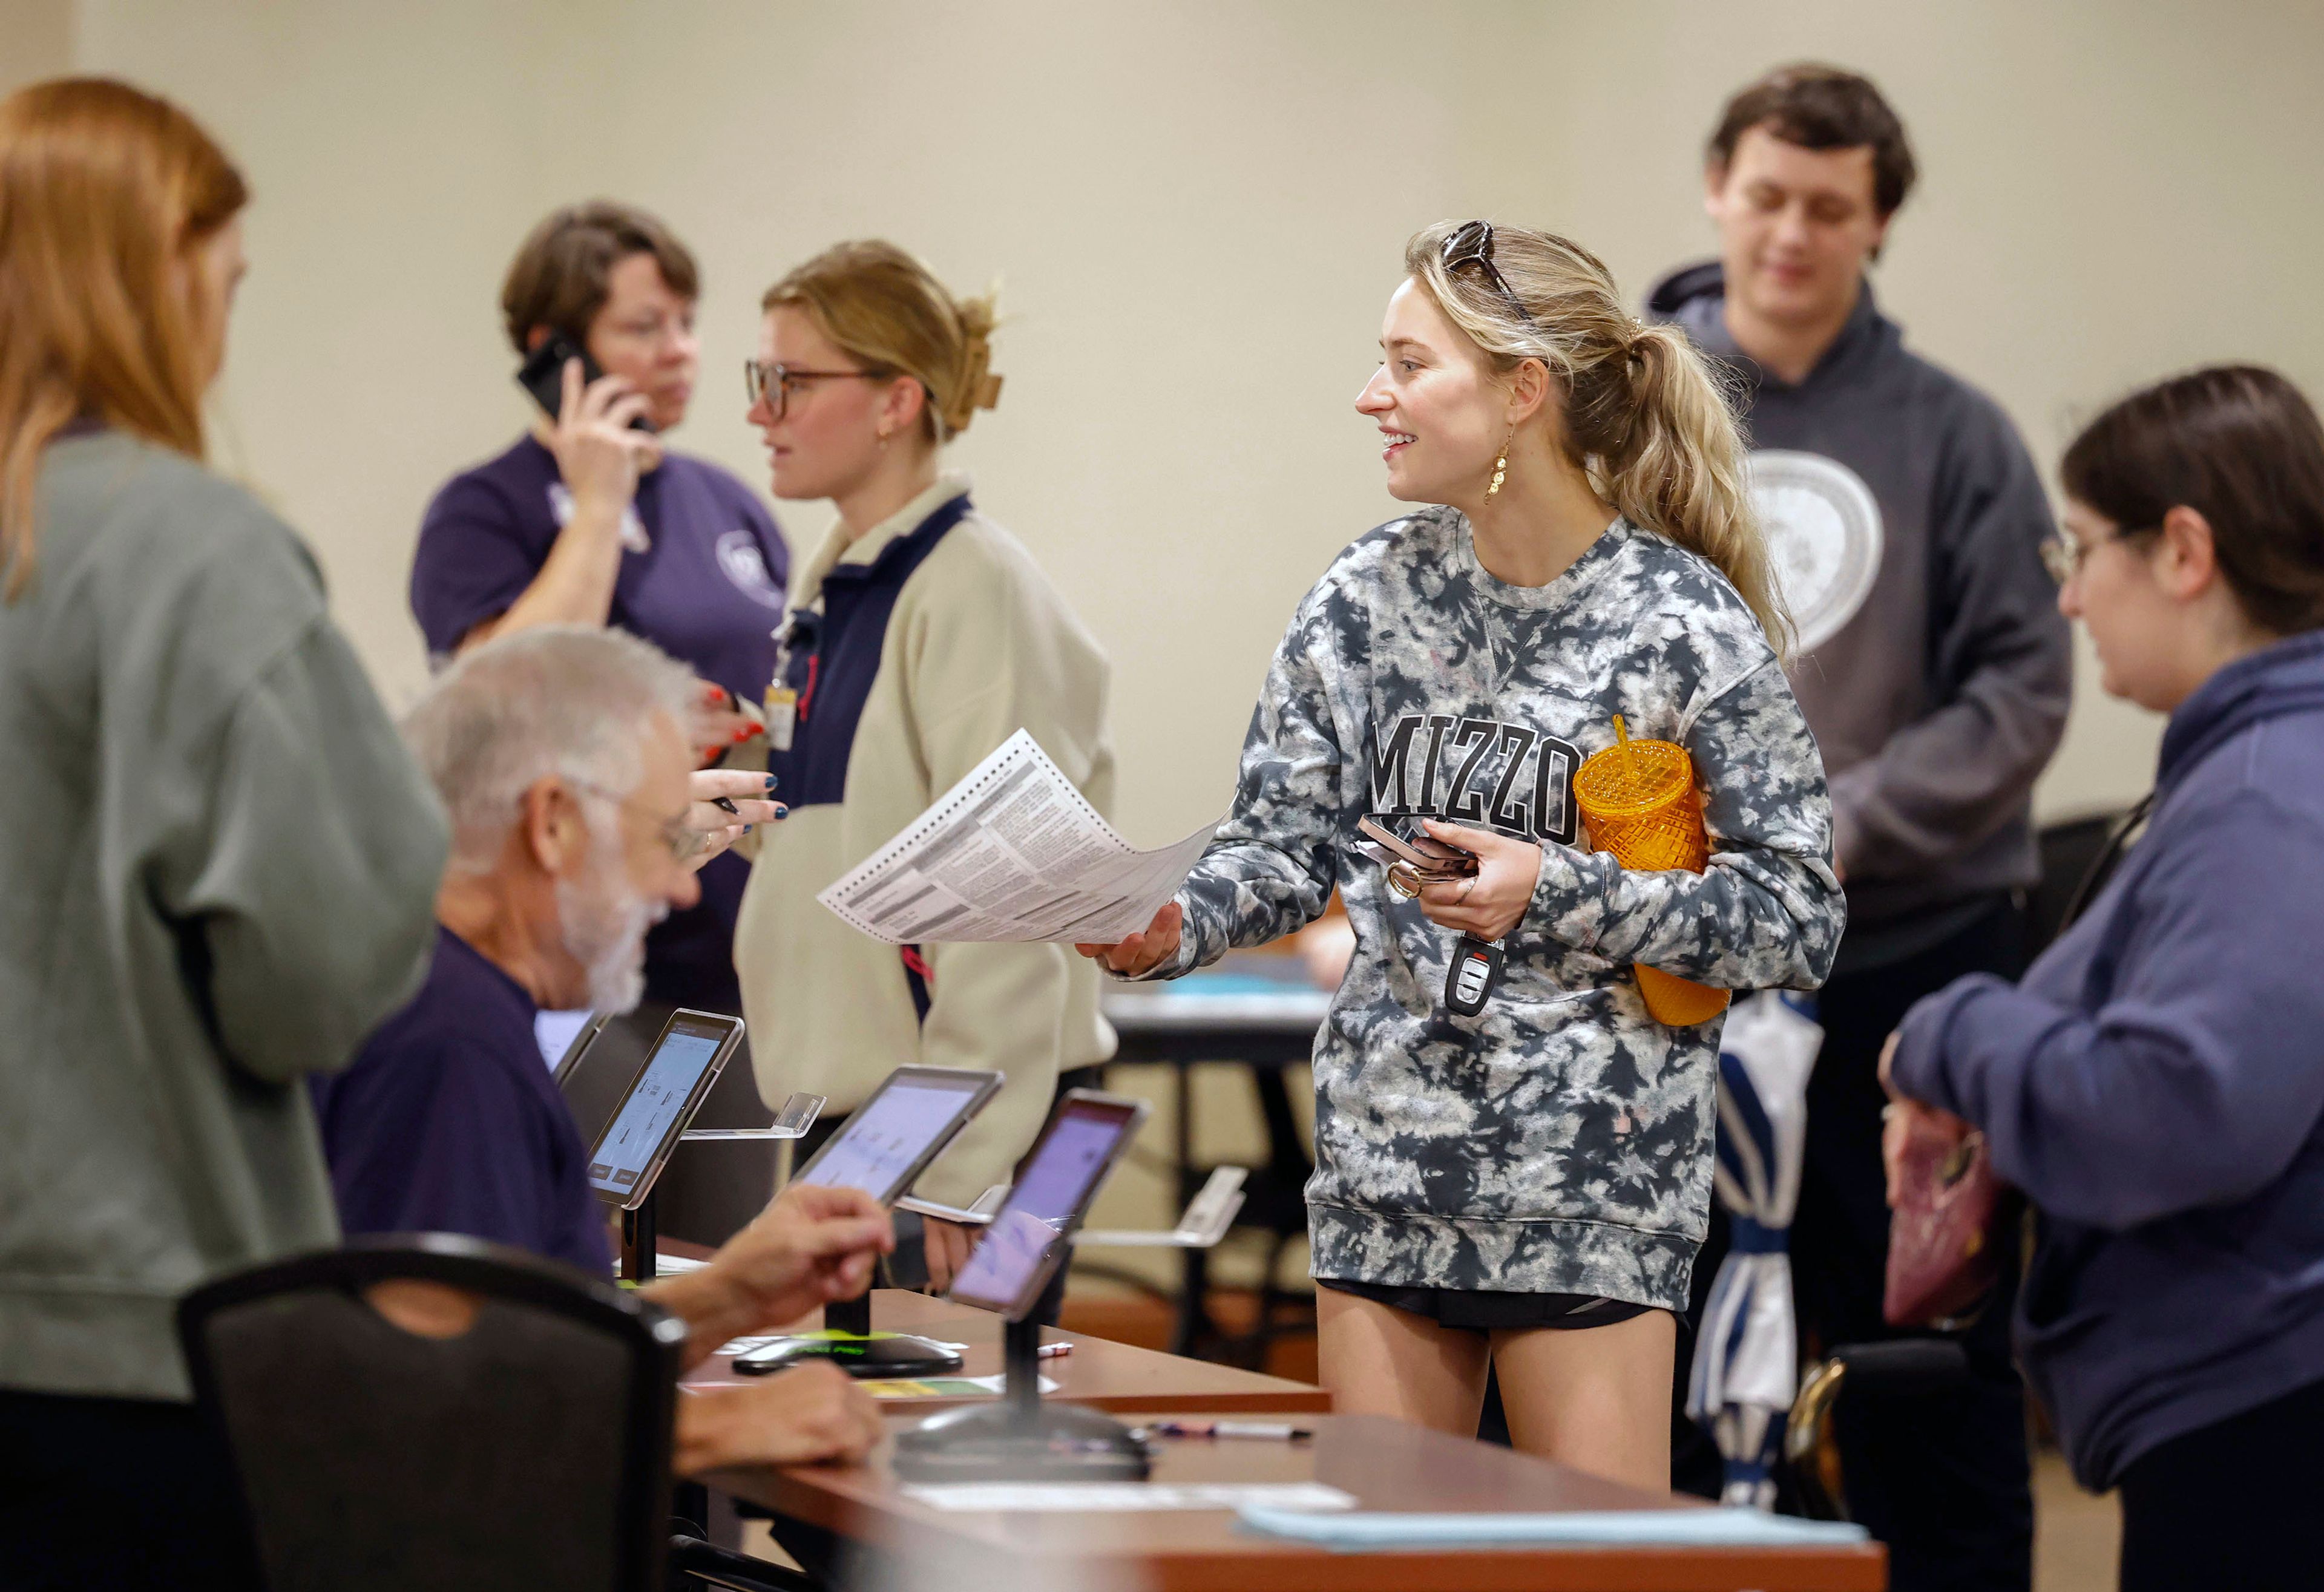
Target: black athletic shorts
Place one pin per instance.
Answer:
(1479, 1310)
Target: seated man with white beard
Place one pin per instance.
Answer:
(561, 756)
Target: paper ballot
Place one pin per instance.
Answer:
(1011, 852)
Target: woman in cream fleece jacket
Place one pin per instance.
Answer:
(920, 637)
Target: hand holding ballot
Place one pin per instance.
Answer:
(1014, 853)
(1141, 953)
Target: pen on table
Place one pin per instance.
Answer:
(1269, 1430)
(1050, 1351)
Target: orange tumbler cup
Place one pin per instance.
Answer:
(1639, 801)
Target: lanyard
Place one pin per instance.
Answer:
(785, 705)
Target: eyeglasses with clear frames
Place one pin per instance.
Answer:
(682, 838)
(775, 383)
(2063, 553)
(656, 332)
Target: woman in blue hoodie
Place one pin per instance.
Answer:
(2155, 1083)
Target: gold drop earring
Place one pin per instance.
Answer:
(1501, 465)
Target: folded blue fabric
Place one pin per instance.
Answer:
(1680, 1527)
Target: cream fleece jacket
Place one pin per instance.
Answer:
(978, 646)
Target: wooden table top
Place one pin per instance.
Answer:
(1387, 1465)
(1102, 1374)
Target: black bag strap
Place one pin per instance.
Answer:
(2102, 866)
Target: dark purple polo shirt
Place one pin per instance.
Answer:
(707, 590)
(448, 1122)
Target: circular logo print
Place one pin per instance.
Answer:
(742, 562)
(1823, 537)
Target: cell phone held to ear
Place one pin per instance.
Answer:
(542, 374)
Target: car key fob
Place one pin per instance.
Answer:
(1476, 971)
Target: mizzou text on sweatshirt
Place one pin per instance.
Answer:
(1560, 1141)
(936, 637)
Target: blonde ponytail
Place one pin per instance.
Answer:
(1678, 468)
(1643, 418)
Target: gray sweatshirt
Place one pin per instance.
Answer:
(1558, 1142)
(217, 871)
(1940, 702)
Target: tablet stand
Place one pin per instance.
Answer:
(862, 1353)
(639, 1240)
(1020, 1438)
(848, 1341)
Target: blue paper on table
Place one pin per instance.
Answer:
(1678, 1528)
(1242, 983)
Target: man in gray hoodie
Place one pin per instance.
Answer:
(1935, 671)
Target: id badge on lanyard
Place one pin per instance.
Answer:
(781, 704)
(782, 700)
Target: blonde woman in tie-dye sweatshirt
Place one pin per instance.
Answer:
(1487, 1187)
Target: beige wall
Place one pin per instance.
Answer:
(1196, 210)
(36, 40)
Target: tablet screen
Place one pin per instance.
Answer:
(1056, 1186)
(893, 1135)
(625, 1151)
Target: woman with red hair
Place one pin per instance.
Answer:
(218, 863)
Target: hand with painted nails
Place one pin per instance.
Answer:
(721, 719)
(727, 803)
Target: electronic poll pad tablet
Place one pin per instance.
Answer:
(1086, 1136)
(889, 1140)
(1022, 1436)
(884, 1146)
(644, 1129)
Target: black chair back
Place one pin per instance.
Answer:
(530, 1448)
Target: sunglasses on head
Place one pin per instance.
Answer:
(1472, 243)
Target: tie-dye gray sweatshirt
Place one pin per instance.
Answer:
(1560, 1141)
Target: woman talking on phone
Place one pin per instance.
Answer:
(591, 519)
(922, 635)
(1524, 1187)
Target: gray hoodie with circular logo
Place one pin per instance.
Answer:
(1941, 691)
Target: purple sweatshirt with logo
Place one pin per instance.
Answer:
(705, 586)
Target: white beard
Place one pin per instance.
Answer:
(603, 924)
